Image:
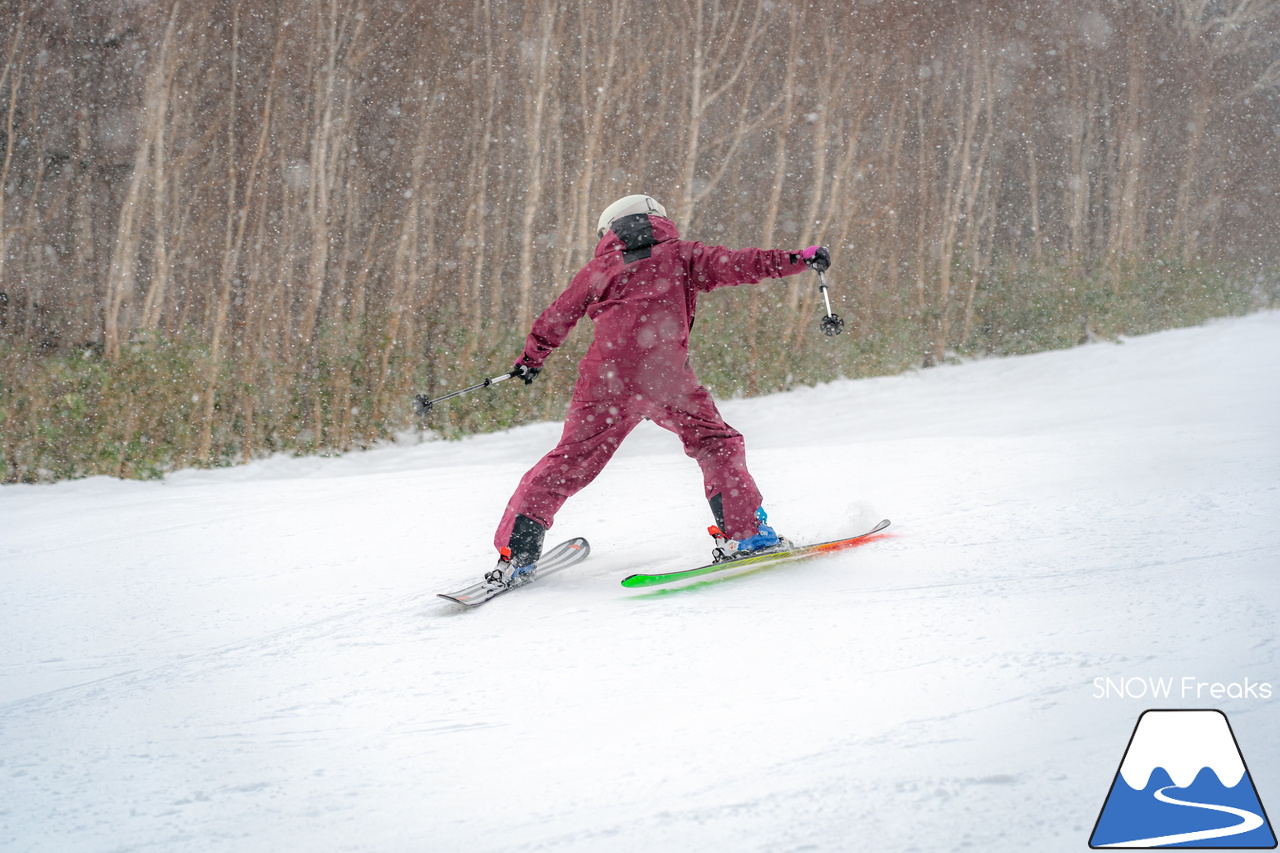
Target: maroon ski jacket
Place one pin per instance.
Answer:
(641, 290)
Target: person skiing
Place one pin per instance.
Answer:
(641, 290)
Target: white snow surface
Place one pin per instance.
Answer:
(1183, 743)
(254, 659)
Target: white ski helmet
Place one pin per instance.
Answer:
(626, 207)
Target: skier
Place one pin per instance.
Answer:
(641, 290)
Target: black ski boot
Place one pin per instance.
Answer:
(520, 557)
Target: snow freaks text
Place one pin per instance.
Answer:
(1186, 687)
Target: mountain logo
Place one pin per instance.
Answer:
(1182, 783)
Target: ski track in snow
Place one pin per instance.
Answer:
(254, 659)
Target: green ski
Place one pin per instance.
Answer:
(755, 559)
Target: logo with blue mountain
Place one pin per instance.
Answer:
(1183, 783)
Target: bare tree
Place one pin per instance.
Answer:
(538, 56)
(148, 167)
(11, 74)
(720, 49)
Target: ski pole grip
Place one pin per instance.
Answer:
(509, 375)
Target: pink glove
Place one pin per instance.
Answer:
(817, 257)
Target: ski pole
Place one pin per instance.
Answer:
(422, 403)
(831, 324)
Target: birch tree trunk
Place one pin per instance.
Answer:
(122, 276)
(475, 226)
(597, 91)
(535, 109)
(329, 139)
(222, 305)
(11, 74)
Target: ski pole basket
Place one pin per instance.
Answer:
(831, 323)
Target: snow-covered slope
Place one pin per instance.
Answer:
(254, 659)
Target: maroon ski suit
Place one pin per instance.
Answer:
(641, 290)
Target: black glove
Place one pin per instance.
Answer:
(817, 257)
(525, 372)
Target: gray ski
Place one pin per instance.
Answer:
(560, 557)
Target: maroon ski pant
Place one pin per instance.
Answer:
(594, 430)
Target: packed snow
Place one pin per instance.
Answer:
(254, 659)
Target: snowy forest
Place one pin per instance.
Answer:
(234, 228)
